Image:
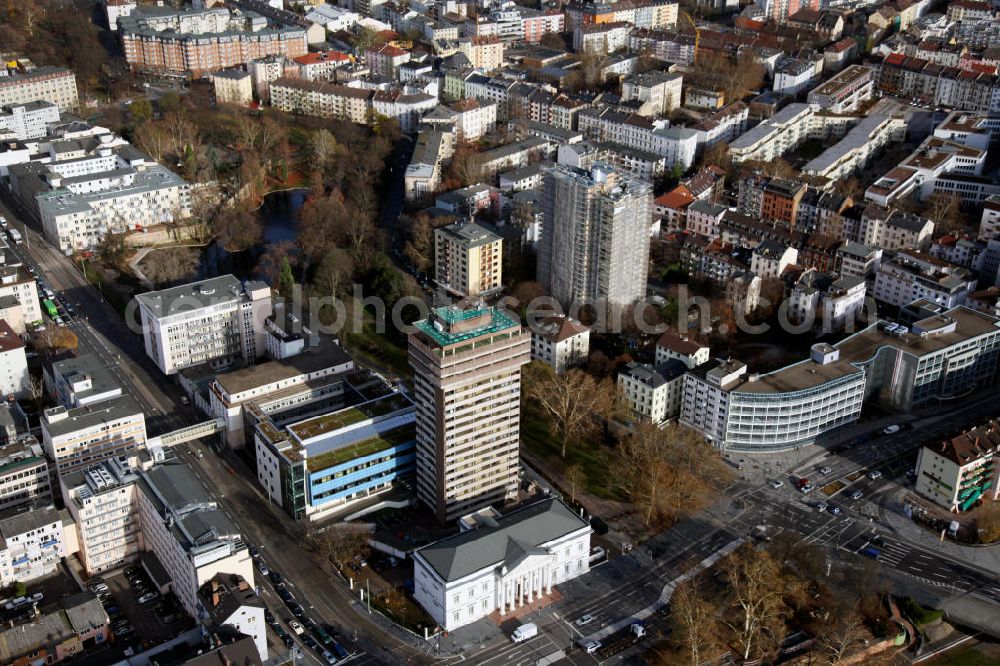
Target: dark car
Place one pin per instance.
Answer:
(286, 596)
(275, 577)
(310, 642)
(268, 615)
(296, 609)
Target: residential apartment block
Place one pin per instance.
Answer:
(595, 235)
(652, 393)
(560, 342)
(911, 275)
(785, 130)
(199, 42)
(101, 499)
(467, 363)
(50, 84)
(846, 91)
(80, 190)
(32, 545)
(672, 346)
(424, 172)
(468, 259)
(960, 472)
(24, 475)
(14, 378)
(214, 321)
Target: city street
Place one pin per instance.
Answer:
(101, 331)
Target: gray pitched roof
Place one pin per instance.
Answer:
(516, 535)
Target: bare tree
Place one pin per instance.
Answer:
(171, 265)
(572, 399)
(341, 543)
(756, 609)
(694, 621)
(843, 632)
(238, 228)
(154, 139)
(575, 477)
(945, 211)
(333, 272)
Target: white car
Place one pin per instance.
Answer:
(874, 474)
(590, 647)
(824, 470)
(775, 484)
(822, 506)
(584, 620)
(296, 627)
(891, 430)
(857, 494)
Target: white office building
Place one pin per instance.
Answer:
(214, 321)
(191, 537)
(500, 563)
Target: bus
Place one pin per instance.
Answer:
(50, 308)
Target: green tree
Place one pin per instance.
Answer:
(286, 280)
(141, 110)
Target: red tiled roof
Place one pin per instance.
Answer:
(679, 197)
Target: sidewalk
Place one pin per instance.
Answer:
(759, 467)
(890, 510)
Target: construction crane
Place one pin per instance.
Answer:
(697, 34)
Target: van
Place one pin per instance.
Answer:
(524, 632)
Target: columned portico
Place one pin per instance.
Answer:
(529, 579)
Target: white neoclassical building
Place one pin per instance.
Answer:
(497, 565)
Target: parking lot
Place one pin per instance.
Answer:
(140, 616)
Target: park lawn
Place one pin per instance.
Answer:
(378, 349)
(537, 439)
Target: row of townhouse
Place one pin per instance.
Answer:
(938, 85)
(331, 100)
(677, 144)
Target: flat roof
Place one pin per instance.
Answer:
(271, 372)
(91, 415)
(469, 234)
(968, 324)
(494, 320)
(797, 377)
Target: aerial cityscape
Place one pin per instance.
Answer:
(501, 332)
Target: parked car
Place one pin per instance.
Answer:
(874, 474)
(822, 506)
(824, 470)
(584, 620)
(329, 658)
(590, 647)
(148, 598)
(296, 627)
(835, 510)
(275, 577)
(775, 483)
(262, 568)
(254, 552)
(856, 495)
(891, 430)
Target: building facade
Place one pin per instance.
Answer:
(214, 321)
(468, 259)
(467, 384)
(595, 236)
(502, 564)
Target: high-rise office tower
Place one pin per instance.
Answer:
(466, 361)
(594, 245)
